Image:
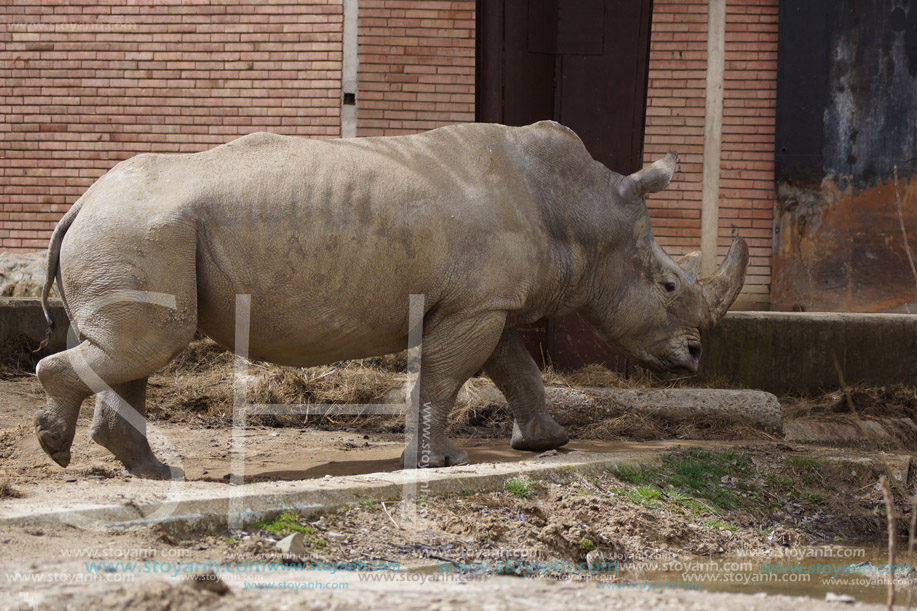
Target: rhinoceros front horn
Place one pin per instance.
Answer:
(721, 289)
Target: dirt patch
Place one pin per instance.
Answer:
(555, 523)
(703, 503)
(194, 396)
(196, 389)
(752, 501)
(693, 503)
(157, 596)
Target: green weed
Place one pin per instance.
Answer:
(285, 524)
(519, 488)
(629, 474)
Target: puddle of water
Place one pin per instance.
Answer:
(857, 571)
(860, 572)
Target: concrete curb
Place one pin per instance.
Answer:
(199, 508)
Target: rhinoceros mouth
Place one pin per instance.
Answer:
(683, 360)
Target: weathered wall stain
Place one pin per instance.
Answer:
(869, 120)
(843, 250)
(846, 117)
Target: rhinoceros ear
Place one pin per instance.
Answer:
(651, 179)
(690, 263)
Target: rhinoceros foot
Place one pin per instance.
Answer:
(156, 470)
(436, 453)
(538, 435)
(53, 439)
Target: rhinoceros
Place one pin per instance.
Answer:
(494, 226)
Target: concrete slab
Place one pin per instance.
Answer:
(760, 410)
(792, 352)
(23, 316)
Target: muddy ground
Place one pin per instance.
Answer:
(706, 507)
(753, 496)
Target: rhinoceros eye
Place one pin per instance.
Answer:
(669, 286)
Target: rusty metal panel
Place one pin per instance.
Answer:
(845, 237)
(843, 250)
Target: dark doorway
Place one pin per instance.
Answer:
(582, 63)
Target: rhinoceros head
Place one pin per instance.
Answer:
(647, 306)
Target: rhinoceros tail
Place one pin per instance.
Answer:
(53, 263)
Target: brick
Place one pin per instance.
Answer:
(77, 102)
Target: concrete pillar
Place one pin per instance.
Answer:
(349, 71)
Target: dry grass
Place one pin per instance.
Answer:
(604, 418)
(17, 359)
(7, 491)
(347, 382)
(896, 401)
(200, 382)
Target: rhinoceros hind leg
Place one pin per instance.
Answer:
(453, 350)
(119, 424)
(70, 376)
(56, 424)
(515, 373)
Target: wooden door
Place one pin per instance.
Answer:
(582, 63)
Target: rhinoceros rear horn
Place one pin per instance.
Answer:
(690, 264)
(651, 179)
(723, 287)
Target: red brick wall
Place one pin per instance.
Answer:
(87, 83)
(749, 124)
(416, 65)
(675, 120)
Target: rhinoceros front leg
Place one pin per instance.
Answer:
(515, 373)
(453, 350)
(119, 424)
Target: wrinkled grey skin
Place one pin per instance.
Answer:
(495, 226)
